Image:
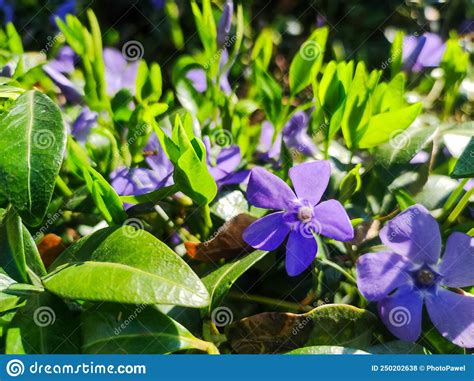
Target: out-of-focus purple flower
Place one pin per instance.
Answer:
(420, 52)
(295, 136)
(420, 158)
(138, 181)
(321, 21)
(198, 77)
(227, 161)
(466, 27)
(68, 7)
(406, 277)
(7, 9)
(64, 61)
(225, 23)
(300, 215)
(158, 4)
(72, 92)
(119, 73)
(83, 124)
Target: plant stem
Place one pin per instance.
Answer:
(269, 301)
(338, 268)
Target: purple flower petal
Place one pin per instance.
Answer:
(332, 221)
(198, 79)
(415, 234)
(452, 315)
(267, 233)
(457, 265)
(296, 136)
(240, 177)
(68, 89)
(267, 148)
(300, 252)
(432, 51)
(225, 23)
(310, 180)
(265, 190)
(134, 181)
(119, 74)
(64, 61)
(83, 124)
(229, 158)
(401, 313)
(378, 274)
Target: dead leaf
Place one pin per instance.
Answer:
(227, 242)
(50, 247)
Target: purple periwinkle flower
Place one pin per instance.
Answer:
(294, 134)
(406, 277)
(67, 7)
(138, 181)
(420, 52)
(225, 169)
(225, 23)
(119, 73)
(300, 215)
(64, 61)
(71, 92)
(198, 77)
(83, 124)
(7, 9)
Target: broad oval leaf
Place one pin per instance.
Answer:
(465, 165)
(114, 328)
(328, 325)
(126, 265)
(33, 139)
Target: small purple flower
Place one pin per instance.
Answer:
(198, 77)
(225, 23)
(119, 73)
(83, 124)
(408, 276)
(422, 52)
(301, 215)
(295, 136)
(7, 9)
(71, 92)
(68, 7)
(227, 162)
(138, 181)
(64, 61)
(158, 4)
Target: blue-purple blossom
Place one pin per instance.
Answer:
(408, 275)
(67, 7)
(158, 4)
(295, 136)
(225, 168)
(300, 214)
(7, 9)
(225, 23)
(138, 181)
(420, 52)
(83, 124)
(119, 73)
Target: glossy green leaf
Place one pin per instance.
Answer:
(465, 165)
(128, 266)
(307, 62)
(350, 184)
(382, 127)
(33, 138)
(219, 282)
(45, 325)
(115, 329)
(396, 54)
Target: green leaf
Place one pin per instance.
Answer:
(350, 184)
(307, 62)
(327, 350)
(128, 266)
(396, 53)
(12, 253)
(465, 165)
(382, 127)
(45, 325)
(404, 145)
(114, 329)
(219, 282)
(328, 325)
(33, 138)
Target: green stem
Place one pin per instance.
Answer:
(269, 301)
(338, 268)
(62, 186)
(458, 209)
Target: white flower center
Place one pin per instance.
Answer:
(305, 213)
